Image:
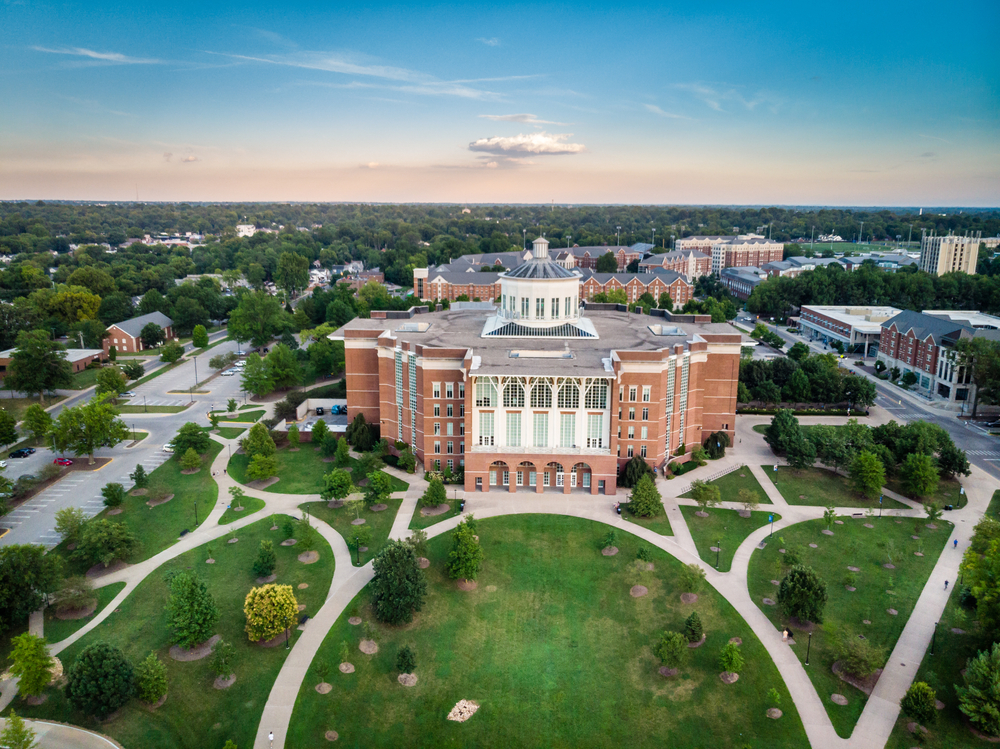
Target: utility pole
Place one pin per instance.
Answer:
(812, 238)
(861, 234)
(618, 241)
(910, 237)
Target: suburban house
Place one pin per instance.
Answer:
(124, 336)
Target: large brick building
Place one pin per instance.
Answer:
(747, 250)
(538, 394)
(691, 263)
(637, 284)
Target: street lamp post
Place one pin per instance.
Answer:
(934, 637)
(286, 632)
(195, 370)
(809, 647)
(196, 513)
(718, 550)
(144, 409)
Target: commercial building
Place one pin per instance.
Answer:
(125, 335)
(691, 263)
(940, 255)
(857, 328)
(539, 393)
(78, 358)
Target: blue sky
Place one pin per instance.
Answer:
(837, 103)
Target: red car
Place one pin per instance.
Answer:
(63, 462)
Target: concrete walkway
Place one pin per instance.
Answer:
(61, 736)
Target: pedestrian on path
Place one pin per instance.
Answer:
(946, 585)
(956, 544)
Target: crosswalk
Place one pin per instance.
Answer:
(984, 453)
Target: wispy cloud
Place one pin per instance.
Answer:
(108, 57)
(491, 42)
(670, 115)
(527, 119)
(934, 137)
(536, 144)
(714, 95)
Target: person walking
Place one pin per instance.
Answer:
(956, 544)
(946, 585)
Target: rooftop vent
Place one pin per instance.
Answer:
(532, 354)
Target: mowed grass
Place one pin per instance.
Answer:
(818, 487)
(380, 523)
(553, 649)
(17, 406)
(57, 629)
(195, 714)
(948, 493)
(730, 485)
(851, 545)
(659, 523)
(725, 526)
(225, 432)
(299, 472)
(425, 521)
(250, 506)
(245, 416)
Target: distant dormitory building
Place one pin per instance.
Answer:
(635, 285)
(940, 255)
(746, 250)
(691, 263)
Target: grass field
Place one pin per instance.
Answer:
(948, 492)
(730, 485)
(247, 416)
(658, 523)
(250, 506)
(17, 406)
(818, 487)
(380, 523)
(722, 525)
(300, 472)
(83, 379)
(57, 629)
(420, 521)
(845, 612)
(553, 649)
(993, 509)
(195, 714)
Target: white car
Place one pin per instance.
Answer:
(228, 373)
(3, 463)
(168, 448)
(127, 394)
(241, 363)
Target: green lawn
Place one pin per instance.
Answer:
(722, 525)
(340, 519)
(230, 432)
(730, 485)
(249, 416)
(300, 472)
(420, 521)
(250, 506)
(134, 409)
(139, 436)
(818, 487)
(84, 379)
(17, 406)
(993, 510)
(948, 492)
(195, 714)
(553, 649)
(857, 546)
(658, 523)
(57, 629)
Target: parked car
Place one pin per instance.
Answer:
(320, 410)
(3, 463)
(127, 394)
(63, 462)
(24, 452)
(228, 373)
(168, 448)
(241, 363)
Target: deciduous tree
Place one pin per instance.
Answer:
(150, 679)
(191, 437)
(256, 319)
(867, 475)
(262, 467)
(111, 381)
(16, 734)
(256, 377)
(706, 495)
(920, 703)
(336, 485)
(270, 610)
(199, 336)
(191, 610)
(83, 429)
(105, 541)
(283, 367)
(8, 428)
(151, 334)
(258, 442)
(37, 365)
(466, 556)
(920, 476)
(114, 494)
(37, 422)
(30, 660)
(672, 649)
(979, 698)
(783, 431)
(398, 587)
(26, 573)
(379, 488)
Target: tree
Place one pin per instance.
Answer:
(398, 587)
(223, 657)
(933, 511)
(83, 429)
(336, 485)
(150, 679)
(191, 437)
(379, 488)
(105, 541)
(151, 335)
(37, 422)
(692, 628)
(172, 352)
(798, 351)
(909, 378)
(360, 536)
(256, 377)
(69, 523)
(114, 495)
(802, 594)
(133, 370)
(635, 469)
(283, 367)
(258, 442)
(750, 499)
(801, 454)
(920, 476)
(25, 574)
(859, 657)
(952, 461)
(293, 437)
(434, 494)
(706, 495)
(140, 479)
(255, 319)
(768, 392)
(606, 263)
(859, 391)
(406, 661)
(920, 703)
(293, 272)
(797, 389)
(342, 458)
(319, 433)
(30, 660)
(8, 428)
(359, 434)
(190, 460)
(672, 649)
(981, 357)
(75, 593)
(867, 475)
(111, 381)
(100, 681)
(466, 556)
(37, 365)
(231, 406)
(270, 610)
(266, 559)
(199, 337)
(16, 734)
(262, 467)
(730, 658)
(191, 611)
(783, 431)
(645, 500)
(979, 699)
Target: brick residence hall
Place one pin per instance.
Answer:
(538, 393)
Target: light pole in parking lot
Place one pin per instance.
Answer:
(144, 409)
(195, 358)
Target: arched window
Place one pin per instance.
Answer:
(513, 395)
(569, 395)
(597, 395)
(541, 395)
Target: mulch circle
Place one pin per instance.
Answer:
(138, 492)
(769, 602)
(302, 607)
(891, 612)
(81, 613)
(381, 506)
(263, 484)
(899, 522)
(189, 471)
(358, 521)
(266, 580)
(744, 513)
(309, 557)
(196, 653)
(331, 735)
(407, 680)
(813, 546)
(609, 551)
(773, 713)
(346, 668)
(853, 569)
(728, 677)
(915, 538)
(232, 540)
(116, 511)
(866, 621)
(781, 551)
(826, 532)
(689, 598)
(736, 640)
(354, 620)
(889, 566)
(914, 727)
(869, 525)
(274, 527)
(151, 706)
(838, 522)
(289, 542)
(702, 514)
(775, 582)
(362, 549)
(423, 562)
(368, 647)
(698, 644)
(931, 527)
(441, 509)
(939, 705)
(714, 548)
(303, 586)
(743, 475)
(668, 673)
(838, 699)
(209, 561)
(957, 631)
(805, 626)
(36, 700)
(650, 566)
(99, 570)
(850, 588)
(866, 685)
(324, 688)
(221, 683)
(802, 496)
(638, 591)
(335, 504)
(467, 585)
(278, 639)
(918, 553)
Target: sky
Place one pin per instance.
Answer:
(844, 103)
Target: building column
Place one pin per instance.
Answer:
(512, 482)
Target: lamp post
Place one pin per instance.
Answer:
(524, 239)
(195, 370)
(144, 409)
(286, 632)
(618, 241)
(718, 550)
(934, 637)
(196, 513)
(568, 237)
(809, 647)
(880, 506)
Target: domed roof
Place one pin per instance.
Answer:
(539, 269)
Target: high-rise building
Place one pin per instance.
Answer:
(940, 255)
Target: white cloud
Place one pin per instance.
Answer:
(490, 165)
(713, 96)
(371, 165)
(189, 159)
(538, 144)
(112, 57)
(670, 115)
(491, 42)
(528, 119)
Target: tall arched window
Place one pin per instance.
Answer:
(541, 395)
(513, 395)
(569, 395)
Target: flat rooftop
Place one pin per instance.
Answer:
(972, 318)
(862, 319)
